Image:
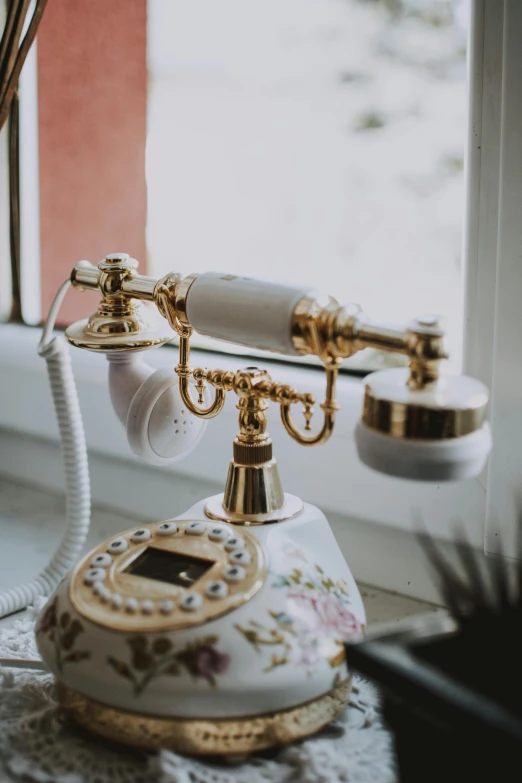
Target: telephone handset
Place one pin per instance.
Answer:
(223, 630)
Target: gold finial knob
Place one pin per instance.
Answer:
(118, 262)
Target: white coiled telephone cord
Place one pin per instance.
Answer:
(74, 451)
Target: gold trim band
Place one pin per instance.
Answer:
(402, 420)
(199, 736)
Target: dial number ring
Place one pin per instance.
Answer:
(150, 595)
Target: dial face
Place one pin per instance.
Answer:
(171, 567)
(168, 576)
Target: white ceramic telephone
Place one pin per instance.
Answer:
(223, 630)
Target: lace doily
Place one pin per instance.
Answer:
(39, 744)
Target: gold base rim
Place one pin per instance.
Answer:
(291, 508)
(205, 736)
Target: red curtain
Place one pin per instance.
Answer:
(92, 90)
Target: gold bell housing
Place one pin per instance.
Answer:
(415, 422)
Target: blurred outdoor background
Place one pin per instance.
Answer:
(312, 141)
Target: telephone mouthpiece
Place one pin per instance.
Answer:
(435, 433)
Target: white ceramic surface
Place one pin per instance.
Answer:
(279, 649)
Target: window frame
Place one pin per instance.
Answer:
(30, 267)
(5, 243)
(494, 261)
(5, 240)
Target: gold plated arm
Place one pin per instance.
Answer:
(184, 372)
(330, 406)
(253, 386)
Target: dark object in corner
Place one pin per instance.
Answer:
(451, 685)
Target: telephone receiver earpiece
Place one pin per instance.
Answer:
(160, 430)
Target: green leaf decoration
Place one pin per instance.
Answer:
(65, 619)
(319, 569)
(186, 659)
(208, 641)
(249, 634)
(67, 640)
(281, 581)
(342, 587)
(120, 668)
(282, 619)
(76, 628)
(148, 663)
(77, 656)
(137, 643)
(142, 662)
(161, 646)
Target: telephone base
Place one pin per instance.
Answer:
(250, 654)
(205, 737)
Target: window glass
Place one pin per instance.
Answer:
(312, 141)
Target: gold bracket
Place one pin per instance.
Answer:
(253, 492)
(252, 387)
(184, 372)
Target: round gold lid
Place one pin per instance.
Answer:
(136, 330)
(450, 407)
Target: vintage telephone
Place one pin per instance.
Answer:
(222, 631)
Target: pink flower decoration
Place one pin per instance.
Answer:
(208, 662)
(323, 613)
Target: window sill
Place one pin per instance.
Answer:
(329, 476)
